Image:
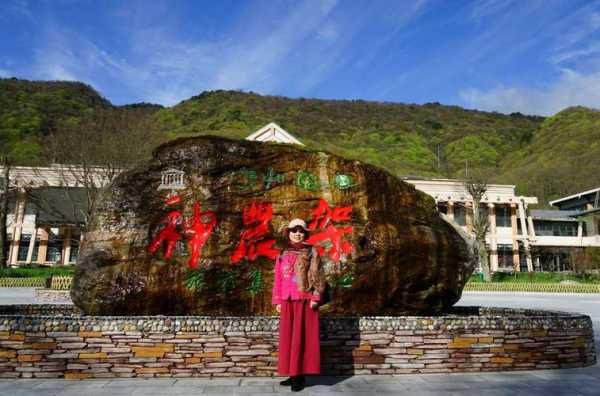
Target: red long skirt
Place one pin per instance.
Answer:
(299, 349)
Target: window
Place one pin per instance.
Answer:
(555, 228)
(460, 215)
(503, 216)
(567, 229)
(442, 207)
(55, 245)
(23, 247)
(505, 256)
(74, 247)
(36, 248)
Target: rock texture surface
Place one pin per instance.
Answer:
(196, 229)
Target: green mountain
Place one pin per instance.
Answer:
(32, 110)
(429, 139)
(545, 157)
(562, 158)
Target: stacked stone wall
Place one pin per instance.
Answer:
(66, 344)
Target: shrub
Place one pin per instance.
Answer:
(36, 272)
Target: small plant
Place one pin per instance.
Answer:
(195, 280)
(256, 281)
(346, 279)
(226, 281)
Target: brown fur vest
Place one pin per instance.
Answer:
(309, 271)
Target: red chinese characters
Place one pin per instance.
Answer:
(169, 234)
(199, 231)
(323, 219)
(255, 218)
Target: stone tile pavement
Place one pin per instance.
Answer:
(568, 382)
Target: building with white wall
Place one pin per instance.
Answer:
(509, 218)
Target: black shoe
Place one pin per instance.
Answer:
(286, 382)
(298, 383)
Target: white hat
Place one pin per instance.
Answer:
(297, 223)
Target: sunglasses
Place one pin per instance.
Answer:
(298, 229)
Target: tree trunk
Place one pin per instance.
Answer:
(4, 214)
(484, 260)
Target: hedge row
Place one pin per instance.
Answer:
(532, 287)
(538, 277)
(22, 282)
(36, 272)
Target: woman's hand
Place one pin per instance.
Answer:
(314, 305)
(278, 308)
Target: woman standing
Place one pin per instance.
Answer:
(297, 289)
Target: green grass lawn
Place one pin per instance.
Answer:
(36, 272)
(537, 277)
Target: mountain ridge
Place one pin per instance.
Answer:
(430, 140)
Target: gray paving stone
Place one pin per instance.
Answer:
(26, 392)
(219, 389)
(140, 382)
(555, 390)
(207, 382)
(429, 378)
(250, 381)
(66, 384)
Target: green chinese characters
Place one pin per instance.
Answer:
(343, 181)
(307, 181)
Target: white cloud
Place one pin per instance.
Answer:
(71, 57)
(590, 50)
(15, 9)
(328, 33)
(5, 73)
(255, 62)
(164, 67)
(486, 8)
(571, 89)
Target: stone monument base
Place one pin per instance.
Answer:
(59, 342)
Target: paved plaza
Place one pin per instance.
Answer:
(580, 381)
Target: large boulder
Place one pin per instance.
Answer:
(196, 229)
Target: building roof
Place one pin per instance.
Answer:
(587, 212)
(455, 190)
(274, 133)
(556, 215)
(59, 206)
(55, 175)
(575, 196)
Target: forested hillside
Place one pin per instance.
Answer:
(563, 157)
(423, 140)
(32, 110)
(548, 157)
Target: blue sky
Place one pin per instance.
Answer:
(536, 57)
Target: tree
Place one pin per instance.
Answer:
(477, 187)
(4, 196)
(91, 152)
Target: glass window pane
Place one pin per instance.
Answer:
(23, 247)
(55, 245)
(505, 256)
(74, 248)
(460, 215)
(36, 248)
(503, 216)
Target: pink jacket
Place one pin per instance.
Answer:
(284, 285)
